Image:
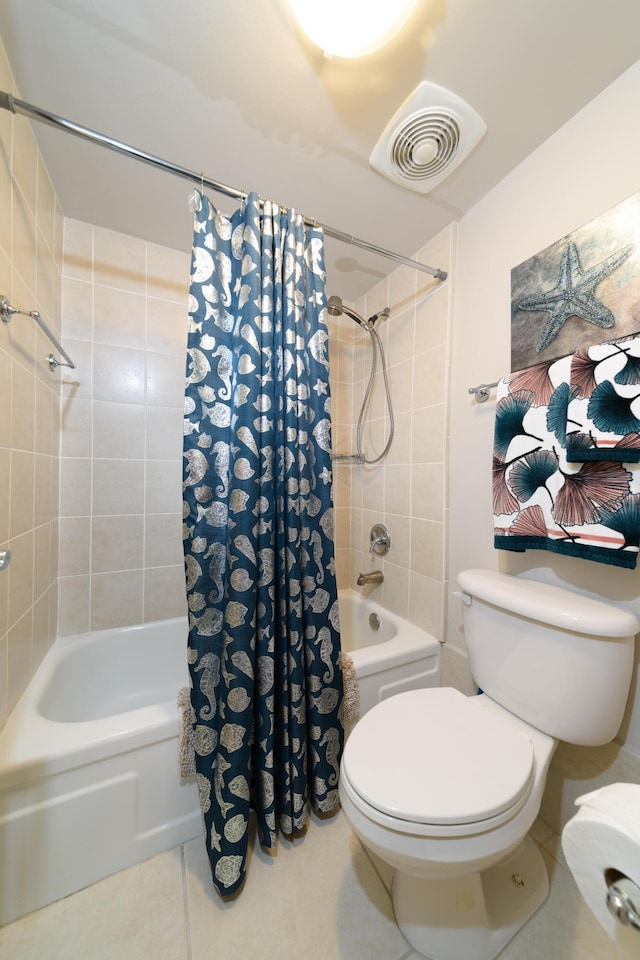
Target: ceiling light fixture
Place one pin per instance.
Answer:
(351, 28)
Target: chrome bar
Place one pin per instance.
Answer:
(482, 392)
(11, 103)
(7, 311)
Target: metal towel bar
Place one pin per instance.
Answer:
(481, 393)
(7, 311)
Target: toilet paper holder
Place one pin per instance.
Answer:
(622, 896)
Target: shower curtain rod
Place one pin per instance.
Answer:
(11, 103)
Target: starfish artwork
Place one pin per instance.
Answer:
(574, 294)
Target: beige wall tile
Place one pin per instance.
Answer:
(22, 408)
(399, 528)
(75, 486)
(164, 593)
(163, 546)
(22, 487)
(429, 377)
(119, 317)
(395, 595)
(77, 309)
(116, 599)
(168, 273)
(165, 380)
(74, 614)
(397, 490)
(19, 650)
(41, 560)
(118, 374)
(45, 506)
(428, 493)
(118, 487)
(6, 204)
(76, 425)
(427, 435)
(431, 320)
(23, 249)
(45, 440)
(116, 543)
(119, 260)
(4, 676)
(163, 487)
(46, 206)
(166, 326)
(29, 425)
(5, 497)
(426, 548)
(425, 604)
(24, 163)
(164, 432)
(400, 333)
(5, 398)
(75, 546)
(78, 250)
(20, 576)
(118, 429)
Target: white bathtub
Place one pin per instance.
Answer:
(390, 655)
(89, 764)
(89, 757)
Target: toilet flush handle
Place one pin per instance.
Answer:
(466, 599)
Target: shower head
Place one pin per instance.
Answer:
(381, 315)
(336, 307)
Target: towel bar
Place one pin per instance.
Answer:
(482, 392)
(7, 311)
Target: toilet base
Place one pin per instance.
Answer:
(474, 915)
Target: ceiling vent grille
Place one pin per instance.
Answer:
(431, 133)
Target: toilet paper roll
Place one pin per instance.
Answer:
(605, 835)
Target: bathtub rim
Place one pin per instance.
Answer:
(409, 644)
(33, 747)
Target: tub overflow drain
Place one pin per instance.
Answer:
(374, 621)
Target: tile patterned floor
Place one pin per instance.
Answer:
(322, 898)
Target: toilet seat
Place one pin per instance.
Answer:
(440, 762)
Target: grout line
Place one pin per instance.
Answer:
(185, 898)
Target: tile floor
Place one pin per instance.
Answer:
(321, 898)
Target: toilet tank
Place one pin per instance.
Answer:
(558, 660)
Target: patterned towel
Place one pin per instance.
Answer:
(602, 420)
(540, 500)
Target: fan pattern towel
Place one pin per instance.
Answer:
(542, 501)
(604, 406)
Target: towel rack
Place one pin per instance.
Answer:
(481, 393)
(7, 311)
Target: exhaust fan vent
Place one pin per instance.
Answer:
(431, 133)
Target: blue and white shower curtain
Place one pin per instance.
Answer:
(264, 641)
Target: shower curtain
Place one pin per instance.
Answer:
(264, 640)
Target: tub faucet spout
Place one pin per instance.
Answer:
(376, 576)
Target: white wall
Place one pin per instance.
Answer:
(588, 166)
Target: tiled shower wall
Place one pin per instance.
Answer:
(30, 256)
(407, 491)
(124, 323)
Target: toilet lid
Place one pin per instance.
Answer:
(436, 756)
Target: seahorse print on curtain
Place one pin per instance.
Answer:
(264, 640)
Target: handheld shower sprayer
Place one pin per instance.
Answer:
(335, 307)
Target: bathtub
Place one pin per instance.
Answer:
(389, 654)
(89, 757)
(89, 764)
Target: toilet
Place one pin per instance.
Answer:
(445, 787)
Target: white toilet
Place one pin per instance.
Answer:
(445, 788)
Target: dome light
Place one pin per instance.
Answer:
(351, 28)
